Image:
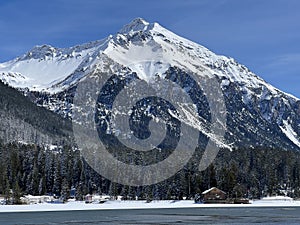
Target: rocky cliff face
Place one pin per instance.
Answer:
(257, 113)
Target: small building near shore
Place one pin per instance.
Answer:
(31, 199)
(88, 198)
(96, 198)
(2, 200)
(214, 195)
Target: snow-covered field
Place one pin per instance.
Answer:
(138, 205)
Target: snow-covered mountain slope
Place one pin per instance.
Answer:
(257, 110)
(44, 66)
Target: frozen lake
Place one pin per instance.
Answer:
(199, 215)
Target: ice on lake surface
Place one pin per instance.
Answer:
(156, 212)
(199, 215)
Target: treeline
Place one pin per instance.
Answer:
(253, 173)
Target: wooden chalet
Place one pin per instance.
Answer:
(214, 195)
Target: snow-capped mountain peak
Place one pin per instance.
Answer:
(150, 50)
(147, 48)
(40, 51)
(44, 66)
(137, 24)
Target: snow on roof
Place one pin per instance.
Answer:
(209, 190)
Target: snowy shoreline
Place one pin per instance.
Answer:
(119, 205)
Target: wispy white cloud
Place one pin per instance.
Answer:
(286, 59)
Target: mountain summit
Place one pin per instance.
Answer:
(46, 68)
(258, 113)
(137, 24)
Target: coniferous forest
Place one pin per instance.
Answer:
(62, 172)
(37, 169)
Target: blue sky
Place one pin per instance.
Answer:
(264, 35)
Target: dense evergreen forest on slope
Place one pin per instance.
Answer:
(36, 170)
(22, 120)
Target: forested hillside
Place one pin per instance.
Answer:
(22, 120)
(31, 169)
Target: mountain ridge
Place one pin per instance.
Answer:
(149, 50)
(131, 29)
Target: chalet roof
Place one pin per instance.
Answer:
(213, 188)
